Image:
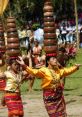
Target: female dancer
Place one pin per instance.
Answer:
(51, 84)
(12, 96)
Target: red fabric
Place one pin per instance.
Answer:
(14, 104)
(54, 102)
(52, 54)
(2, 84)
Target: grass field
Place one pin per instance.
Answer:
(73, 85)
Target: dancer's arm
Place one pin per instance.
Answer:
(67, 71)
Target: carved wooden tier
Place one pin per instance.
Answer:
(13, 46)
(2, 46)
(50, 42)
(2, 39)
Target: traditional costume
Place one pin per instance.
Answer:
(12, 94)
(53, 88)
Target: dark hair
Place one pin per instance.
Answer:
(10, 61)
(26, 61)
(36, 41)
(62, 49)
(47, 59)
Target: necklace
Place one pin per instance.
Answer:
(54, 76)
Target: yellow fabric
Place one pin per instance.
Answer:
(3, 5)
(49, 80)
(12, 82)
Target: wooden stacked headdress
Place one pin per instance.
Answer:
(2, 44)
(13, 46)
(2, 39)
(50, 41)
(2, 52)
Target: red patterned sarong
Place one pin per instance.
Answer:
(2, 84)
(14, 104)
(54, 102)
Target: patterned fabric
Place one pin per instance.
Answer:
(14, 104)
(13, 81)
(54, 102)
(2, 84)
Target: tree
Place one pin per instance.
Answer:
(25, 10)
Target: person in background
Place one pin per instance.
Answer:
(39, 35)
(22, 35)
(38, 57)
(63, 33)
(72, 51)
(26, 75)
(69, 35)
(63, 59)
(51, 84)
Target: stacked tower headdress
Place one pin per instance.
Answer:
(2, 44)
(13, 46)
(50, 41)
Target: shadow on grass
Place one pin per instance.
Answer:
(80, 95)
(70, 101)
(24, 103)
(66, 94)
(70, 89)
(37, 89)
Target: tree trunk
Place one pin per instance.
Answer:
(76, 19)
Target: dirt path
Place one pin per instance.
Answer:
(34, 106)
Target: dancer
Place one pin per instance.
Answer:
(12, 95)
(51, 84)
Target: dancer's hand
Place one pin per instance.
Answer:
(20, 61)
(2, 75)
(78, 65)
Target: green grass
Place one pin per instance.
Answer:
(73, 85)
(36, 86)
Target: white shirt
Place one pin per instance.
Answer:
(38, 34)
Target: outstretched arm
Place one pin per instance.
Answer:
(67, 71)
(37, 72)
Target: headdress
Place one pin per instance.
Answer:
(13, 46)
(50, 41)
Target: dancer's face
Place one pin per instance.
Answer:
(53, 61)
(15, 66)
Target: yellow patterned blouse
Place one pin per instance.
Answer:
(51, 78)
(13, 82)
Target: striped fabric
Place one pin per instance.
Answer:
(54, 102)
(2, 84)
(14, 104)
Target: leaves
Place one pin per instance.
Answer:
(25, 10)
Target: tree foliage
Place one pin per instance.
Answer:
(24, 10)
